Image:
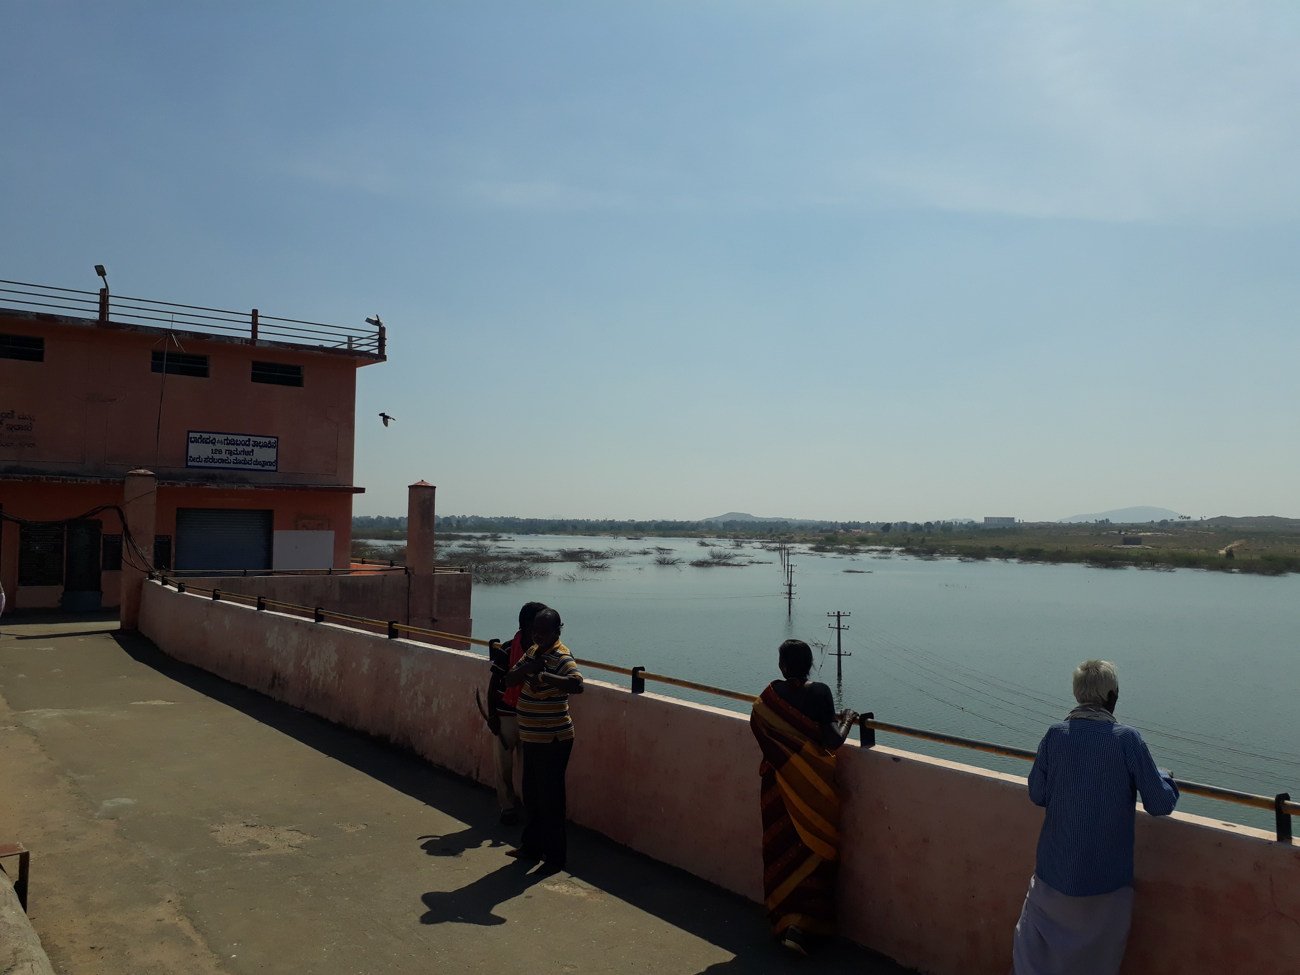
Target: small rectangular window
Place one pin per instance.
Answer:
(27, 348)
(180, 363)
(162, 551)
(40, 555)
(277, 373)
(111, 560)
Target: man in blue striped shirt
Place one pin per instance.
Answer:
(1088, 773)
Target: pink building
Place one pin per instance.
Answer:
(246, 420)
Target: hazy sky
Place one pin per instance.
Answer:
(833, 260)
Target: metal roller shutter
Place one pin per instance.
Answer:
(220, 538)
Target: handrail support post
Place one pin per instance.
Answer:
(866, 734)
(1283, 817)
(319, 616)
(392, 629)
(638, 681)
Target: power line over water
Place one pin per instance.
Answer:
(982, 650)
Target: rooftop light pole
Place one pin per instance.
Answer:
(103, 293)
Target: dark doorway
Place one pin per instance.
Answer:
(81, 579)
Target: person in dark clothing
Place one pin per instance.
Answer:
(502, 703)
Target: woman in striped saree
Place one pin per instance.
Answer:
(798, 732)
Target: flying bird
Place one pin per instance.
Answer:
(387, 419)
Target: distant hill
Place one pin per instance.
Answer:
(1126, 516)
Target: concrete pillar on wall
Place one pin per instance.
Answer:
(9, 563)
(420, 552)
(139, 503)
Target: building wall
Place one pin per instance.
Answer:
(95, 409)
(93, 406)
(299, 510)
(936, 855)
(294, 511)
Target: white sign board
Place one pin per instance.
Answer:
(232, 451)
(303, 550)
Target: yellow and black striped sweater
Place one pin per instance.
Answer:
(543, 708)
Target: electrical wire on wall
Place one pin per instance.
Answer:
(168, 341)
(132, 554)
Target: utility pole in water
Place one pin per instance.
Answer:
(838, 626)
(789, 588)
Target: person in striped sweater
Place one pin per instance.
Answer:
(548, 676)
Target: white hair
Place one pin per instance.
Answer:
(1094, 681)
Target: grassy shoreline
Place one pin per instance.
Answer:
(1215, 549)
(1117, 558)
(1221, 546)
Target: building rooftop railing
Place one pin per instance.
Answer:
(368, 340)
(1281, 805)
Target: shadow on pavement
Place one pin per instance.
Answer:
(79, 624)
(473, 903)
(46, 636)
(469, 838)
(47, 617)
(710, 913)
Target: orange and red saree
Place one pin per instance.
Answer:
(801, 814)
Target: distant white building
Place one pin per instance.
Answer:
(998, 522)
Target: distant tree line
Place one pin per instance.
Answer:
(379, 526)
(381, 522)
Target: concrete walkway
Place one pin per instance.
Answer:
(182, 824)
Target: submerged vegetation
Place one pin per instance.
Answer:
(1261, 546)
(718, 557)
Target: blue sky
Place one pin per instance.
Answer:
(641, 260)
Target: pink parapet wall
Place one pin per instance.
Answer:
(438, 601)
(936, 855)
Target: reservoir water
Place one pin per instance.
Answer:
(1207, 661)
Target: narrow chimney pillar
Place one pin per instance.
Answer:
(420, 549)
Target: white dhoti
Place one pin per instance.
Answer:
(1062, 935)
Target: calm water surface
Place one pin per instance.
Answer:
(1207, 661)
